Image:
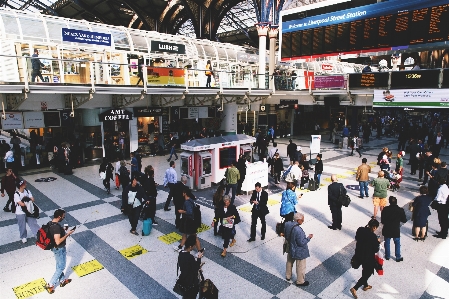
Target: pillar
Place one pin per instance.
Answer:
(273, 33)
(229, 123)
(262, 31)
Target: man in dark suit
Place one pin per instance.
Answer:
(259, 200)
(392, 216)
(333, 192)
(178, 198)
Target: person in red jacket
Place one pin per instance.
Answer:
(9, 185)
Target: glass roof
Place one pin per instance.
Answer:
(28, 5)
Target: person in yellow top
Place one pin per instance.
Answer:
(232, 175)
(208, 73)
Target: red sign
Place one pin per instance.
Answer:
(327, 67)
(190, 166)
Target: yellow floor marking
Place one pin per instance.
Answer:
(272, 202)
(30, 289)
(170, 238)
(203, 228)
(246, 208)
(87, 268)
(133, 251)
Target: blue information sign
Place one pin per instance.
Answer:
(86, 37)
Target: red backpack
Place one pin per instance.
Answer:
(44, 237)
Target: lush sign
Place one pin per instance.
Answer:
(157, 46)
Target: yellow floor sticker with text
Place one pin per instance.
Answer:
(30, 289)
(87, 268)
(133, 251)
(170, 238)
(202, 228)
(246, 208)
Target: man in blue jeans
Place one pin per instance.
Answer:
(172, 146)
(58, 235)
(391, 218)
(363, 178)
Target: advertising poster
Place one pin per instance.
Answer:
(14, 120)
(165, 76)
(323, 82)
(315, 144)
(415, 98)
(33, 119)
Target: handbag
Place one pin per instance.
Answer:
(179, 288)
(434, 205)
(378, 265)
(102, 175)
(286, 245)
(344, 200)
(280, 226)
(355, 262)
(410, 206)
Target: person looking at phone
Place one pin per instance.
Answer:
(59, 236)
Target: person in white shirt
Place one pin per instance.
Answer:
(442, 209)
(170, 179)
(271, 154)
(117, 173)
(22, 218)
(297, 172)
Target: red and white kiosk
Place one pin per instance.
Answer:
(204, 161)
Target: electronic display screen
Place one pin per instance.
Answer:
(445, 78)
(415, 79)
(368, 80)
(376, 26)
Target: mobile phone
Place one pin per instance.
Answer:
(302, 194)
(202, 250)
(73, 228)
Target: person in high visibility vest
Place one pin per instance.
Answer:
(208, 73)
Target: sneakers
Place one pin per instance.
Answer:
(232, 243)
(177, 248)
(155, 222)
(49, 289)
(65, 282)
(6, 209)
(24, 240)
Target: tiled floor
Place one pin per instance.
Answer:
(251, 270)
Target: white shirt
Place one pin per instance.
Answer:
(296, 171)
(18, 197)
(442, 194)
(170, 176)
(273, 151)
(117, 167)
(438, 140)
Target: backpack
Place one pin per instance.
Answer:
(210, 290)
(197, 216)
(44, 237)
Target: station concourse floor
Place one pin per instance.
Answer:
(250, 270)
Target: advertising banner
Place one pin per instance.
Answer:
(14, 120)
(34, 119)
(86, 37)
(415, 98)
(315, 144)
(322, 82)
(165, 76)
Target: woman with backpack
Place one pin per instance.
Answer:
(22, 218)
(107, 169)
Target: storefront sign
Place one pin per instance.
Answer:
(247, 57)
(148, 112)
(193, 112)
(157, 46)
(329, 82)
(165, 125)
(415, 98)
(34, 119)
(190, 166)
(14, 120)
(86, 37)
(116, 114)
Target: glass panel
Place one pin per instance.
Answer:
(33, 29)
(140, 43)
(210, 52)
(10, 24)
(120, 39)
(55, 29)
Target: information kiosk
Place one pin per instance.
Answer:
(247, 152)
(204, 161)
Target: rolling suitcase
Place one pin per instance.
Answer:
(312, 185)
(147, 226)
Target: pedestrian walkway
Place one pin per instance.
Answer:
(106, 261)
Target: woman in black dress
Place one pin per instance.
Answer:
(108, 169)
(189, 267)
(366, 247)
(218, 203)
(229, 218)
(421, 212)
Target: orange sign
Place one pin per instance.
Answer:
(165, 76)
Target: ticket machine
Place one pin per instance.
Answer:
(204, 169)
(247, 152)
(187, 167)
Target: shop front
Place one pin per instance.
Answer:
(116, 130)
(152, 126)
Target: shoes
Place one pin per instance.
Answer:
(251, 239)
(416, 239)
(360, 156)
(354, 293)
(177, 248)
(116, 188)
(262, 238)
(155, 222)
(223, 254)
(49, 289)
(361, 197)
(304, 284)
(331, 227)
(6, 209)
(176, 159)
(387, 258)
(108, 191)
(288, 279)
(168, 160)
(440, 237)
(368, 287)
(232, 243)
(134, 232)
(419, 180)
(24, 240)
(65, 282)
(399, 259)
(167, 209)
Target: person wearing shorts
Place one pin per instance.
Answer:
(380, 185)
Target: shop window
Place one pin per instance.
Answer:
(227, 156)
(207, 166)
(184, 166)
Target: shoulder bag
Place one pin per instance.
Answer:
(179, 287)
(344, 200)
(286, 246)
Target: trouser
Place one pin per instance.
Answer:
(336, 216)
(11, 201)
(117, 181)
(22, 220)
(178, 222)
(227, 235)
(436, 150)
(300, 269)
(401, 145)
(318, 179)
(60, 257)
(36, 73)
(363, 188)
(442, 218)
(288, 217)
(413, 164)
(366, 273)
(133, 217)
(421, 169)
(170, 195)
(357, 150)
(397, 247)
(191, 294)
(426, 177)
(209, 79)
(277, 177)
(258, 214)
(303, 181)
(124, 202)
(234, 191)
(173, 152)
(107, 183)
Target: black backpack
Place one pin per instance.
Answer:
(197, 216)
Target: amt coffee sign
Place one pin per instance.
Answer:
(157, 46)
(116, 114)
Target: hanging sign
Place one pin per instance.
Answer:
(34, 119)
(116, 114)
(315, 144)
(86, 37)
(157, 46)
(14, 120)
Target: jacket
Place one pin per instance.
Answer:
(291, 150)
(391, 217)
(139, 197)
(178, 198)
(362, 173)
(189, 269)
(108, 168)
(367, 245)
(380, 187)
(263, 200)
(35, 62)
(333, 192)
(232, 175)
(288, 202)
(278, 165)
(299, 249)
(319, 167)
(231, 211)
(8, 184)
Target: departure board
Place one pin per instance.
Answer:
(368, 80)
(286, 46)
(445, 78)
(415, 79)
(377, 26)
(296, 43)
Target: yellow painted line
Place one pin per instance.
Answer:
(373, 163)
(272, 202)
(87, 268)
(133, 251)
(321, 185)
(350, 172)
(340, 176)
(327, 179)
(170, 238)
(30, 289)
(202, 228)
(246, 208)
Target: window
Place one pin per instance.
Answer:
(227, 156)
